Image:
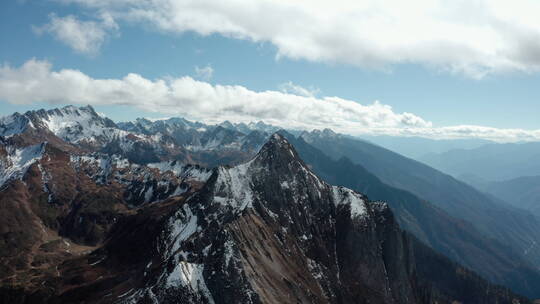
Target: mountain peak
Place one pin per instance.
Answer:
(278, 147)
(329, 132)
(226, 124)
(278, 137)
(88, 108)
(13, 124)
(70, 123)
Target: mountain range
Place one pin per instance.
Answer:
(420, 147)
(489, 162)
(494, 218)
(454, 237)
(522, 192)
(168, 210)
(506, 172)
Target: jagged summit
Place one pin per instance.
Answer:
(70, 111)
(277, 150)
(326, 133)
(278, 181)
(70, 123)
(276, 166)
(13, 124)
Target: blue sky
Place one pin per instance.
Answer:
(503, 98)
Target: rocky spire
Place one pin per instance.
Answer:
(278, 152)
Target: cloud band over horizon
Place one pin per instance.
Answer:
(36, 81)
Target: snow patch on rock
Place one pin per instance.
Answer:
(233, 187)
(18, 160)
(189, 275)
(345, 196)
(181, 226)
(185, 171)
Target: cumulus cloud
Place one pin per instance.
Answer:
(36, 81)
(291, 88)
(85, 37)
(474, 38)
(204, 73)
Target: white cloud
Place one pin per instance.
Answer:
(85, 37)
(460, 132)
(36, 81)
(291, 88)
(474, 38)
(204, 73)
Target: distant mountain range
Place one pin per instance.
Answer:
(510, 226)
(522, 192)
(452, 236)
(158, 211)
(141, 141)
(419, 147)
(491, 162)
(506, 172)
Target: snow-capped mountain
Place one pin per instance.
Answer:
(198, 137)
(252, 126)
(245, 199)
(14, 124)
(100, 229)
(141, 141)
(326, 134)
(70, 123)
(91, 217)
(269, 230)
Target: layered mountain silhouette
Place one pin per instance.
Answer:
(490, 162)
(456, 238)
(513, 227)
(522, 192)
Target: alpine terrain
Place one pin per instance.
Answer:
(174, 211)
